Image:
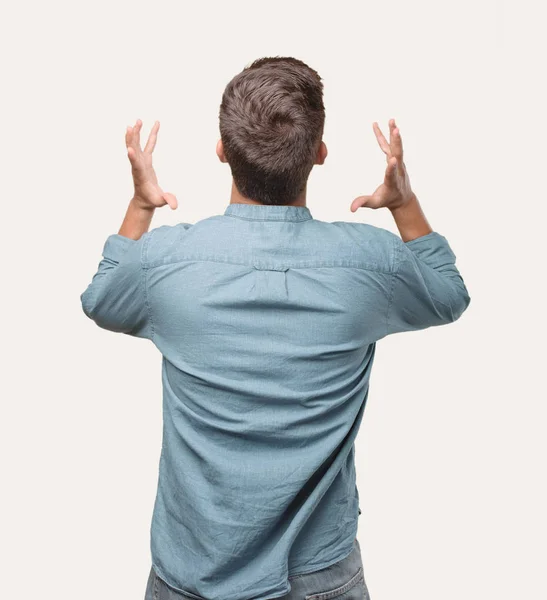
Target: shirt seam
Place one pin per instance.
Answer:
(299, 265)
(257, 219)
(144, 268)
(397, 265)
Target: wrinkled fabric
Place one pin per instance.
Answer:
(267, 321)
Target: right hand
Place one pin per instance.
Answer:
(395, 191)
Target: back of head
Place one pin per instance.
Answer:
(271, 125)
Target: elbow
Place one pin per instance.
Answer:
(97, 310)
(88, 304)
(453, 305)
(460, 304)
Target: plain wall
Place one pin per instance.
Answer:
(451, 453)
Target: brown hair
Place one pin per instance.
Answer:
(271, 124)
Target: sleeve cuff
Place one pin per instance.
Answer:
(433, 248)
(116, 246)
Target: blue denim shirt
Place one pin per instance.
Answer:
(267, 320)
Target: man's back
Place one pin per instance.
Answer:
(267, 321)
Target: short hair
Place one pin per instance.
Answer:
(271, 124)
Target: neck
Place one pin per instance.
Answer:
(237, 198)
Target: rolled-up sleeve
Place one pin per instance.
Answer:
(427, 288)
(116, 299)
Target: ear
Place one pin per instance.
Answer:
(220, 151)
(321, 153)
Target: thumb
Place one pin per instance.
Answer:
(171, 200)
(360, 202)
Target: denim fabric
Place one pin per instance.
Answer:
(267, 321)
(344, 579)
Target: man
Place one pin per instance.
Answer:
(267, 320)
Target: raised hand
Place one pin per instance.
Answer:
(395, 191)
(148, 194)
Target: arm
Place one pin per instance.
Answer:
(426, 287)
(137, 220)
(410, 220)
(116, 299)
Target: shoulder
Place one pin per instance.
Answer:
(375, 243)
(163, 239)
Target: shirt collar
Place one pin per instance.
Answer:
(268, 212)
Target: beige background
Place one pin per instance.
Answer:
(451, 454)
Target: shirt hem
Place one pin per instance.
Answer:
(291, 575)
(191, 595)
(319, 567)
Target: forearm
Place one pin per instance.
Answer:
(137, 220)
(410, 220)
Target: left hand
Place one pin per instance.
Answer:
(148, 194)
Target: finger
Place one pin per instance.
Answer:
(131, 138)
(391, 128)
(381, 139)
(397, 144)
(360, 202)
(128, 136)
(171, 199)
(391, 172)
(137, 134)
(151, 143)
(131, 155)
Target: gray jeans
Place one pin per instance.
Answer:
(344, 578)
